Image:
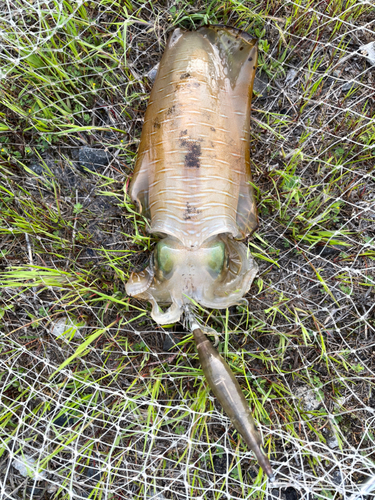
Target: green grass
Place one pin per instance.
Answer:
(70, 238)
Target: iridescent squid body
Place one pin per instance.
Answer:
(192, 180)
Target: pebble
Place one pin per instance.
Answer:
(170, 340)
(290, 76)
(261, 85)
(64, 421)
(310, 399)
(332, 442)
(36, 167)
(157, 495)
(291, 494)
(220, 464)
(351, 85)
(151, 75)
(368, 51)
(93, 474)
(337, 477)
(93, 159)
(67, 328)
(26, 466)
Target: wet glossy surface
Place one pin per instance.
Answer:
(192, 176)
(228, 392)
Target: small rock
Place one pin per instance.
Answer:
(151, 75)
(368, 51)
(43, 167)
(337, 477)
(332, 442)
(26, 466)
(351, 85)
(253, 473)
(310, 399)
(290, 76)
(170, 340)
(67, 328)
(93, 159)
(91, 254)
(274, 494)
(34, 493)
(286, 111)
(156, 495)
(47, 169)
(291, 494)
(327, 250)
(64, 421)
(94, 474)
(36, 167)
(261, 85)
(220, 464)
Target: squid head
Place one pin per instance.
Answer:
(216, 275)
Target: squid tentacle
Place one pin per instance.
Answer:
(229, 394)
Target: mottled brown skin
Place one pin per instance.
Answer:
(192, 173)
(228, 392)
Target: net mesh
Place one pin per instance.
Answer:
(97, 401)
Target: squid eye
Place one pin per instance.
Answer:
(216, 258)
(164, 257)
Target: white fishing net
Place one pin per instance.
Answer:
(99, 402)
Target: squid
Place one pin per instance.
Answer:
(192, 180)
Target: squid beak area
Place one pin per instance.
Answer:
(229, 394)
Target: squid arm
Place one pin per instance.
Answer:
(229, 394)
